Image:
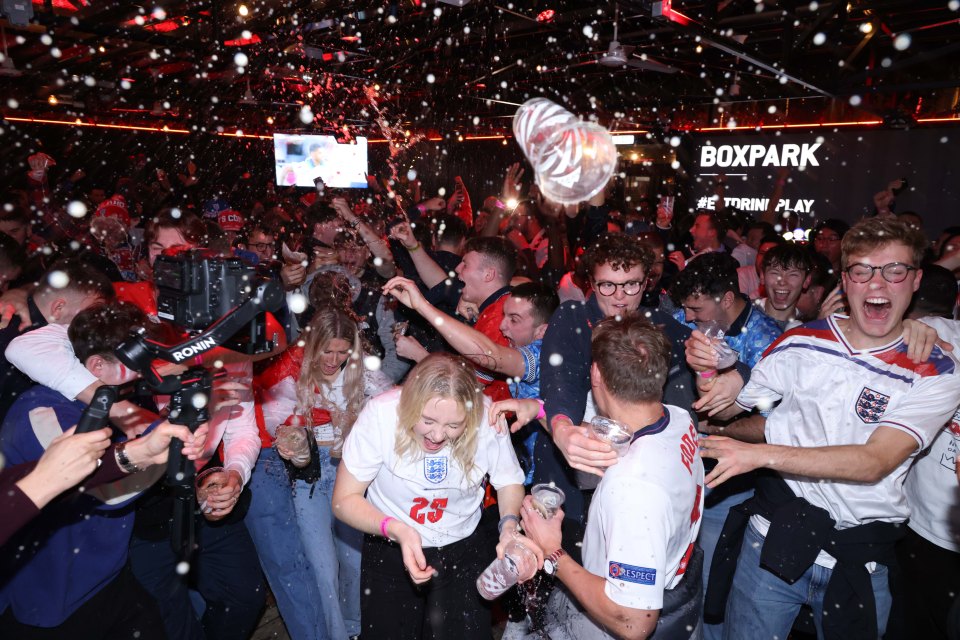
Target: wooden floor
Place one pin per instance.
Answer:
(270, 626)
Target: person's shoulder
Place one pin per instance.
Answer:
(385, 400)
(41, 396)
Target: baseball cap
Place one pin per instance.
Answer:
(114, 207)
(230, 220)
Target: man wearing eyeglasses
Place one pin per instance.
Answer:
(853, 412)
(618, 266)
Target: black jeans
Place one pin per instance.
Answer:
(224, 570)
(447, 607)
(122, 609)
(931, 576)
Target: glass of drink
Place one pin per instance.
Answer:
(547, 499)
(204, 485)
(291, 441)
(518, 564)
(613, 432)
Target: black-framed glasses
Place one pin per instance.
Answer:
(263, 246)
(630, 288)
(893, 272)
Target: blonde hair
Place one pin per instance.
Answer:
(330, 323)
(441, 375)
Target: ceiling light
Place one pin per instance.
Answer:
(243, 11)
(866, 27)
(52, 99)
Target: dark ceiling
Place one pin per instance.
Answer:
(434, 69)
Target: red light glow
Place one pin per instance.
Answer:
(546, 16)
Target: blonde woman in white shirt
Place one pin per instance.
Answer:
(413, 479)
(321, 382)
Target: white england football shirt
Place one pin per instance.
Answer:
(931, 485)
(428, 492)
(833, 394)
(645, 514)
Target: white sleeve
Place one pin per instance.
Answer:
(46, 356)
(636, 550)
(237, 427)
(769, 378)
(922, 411)
(363, 451)
(278, 403)
(504, 469)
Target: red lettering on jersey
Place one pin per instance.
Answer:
(695, 512)
(685, 561)
(688, 448)
(436, 509)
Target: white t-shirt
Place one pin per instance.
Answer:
(833, 394)
(645, 514)
(428, 492)
(931, 486)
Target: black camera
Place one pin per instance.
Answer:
(198, 287)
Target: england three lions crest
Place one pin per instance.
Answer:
(435, 468)
(871, 405)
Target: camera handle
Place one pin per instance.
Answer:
(190, 394)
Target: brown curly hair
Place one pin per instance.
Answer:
(620, 251)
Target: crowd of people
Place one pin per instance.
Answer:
(791, 412)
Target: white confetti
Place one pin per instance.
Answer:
(372, 363)
(555, 360)
(77, 209)
(58, 279)
(298, 302)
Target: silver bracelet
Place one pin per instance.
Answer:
(123, 461)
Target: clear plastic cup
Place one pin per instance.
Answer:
(616, 433)
(547, 499)
(576, 163)
(727, 357)
(293, 438)
(518, 564)
(204, 485)
(572, 160)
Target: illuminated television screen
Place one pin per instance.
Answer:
(301, 159)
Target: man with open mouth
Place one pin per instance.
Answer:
(850, 411)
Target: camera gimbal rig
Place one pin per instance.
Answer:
(189, 391)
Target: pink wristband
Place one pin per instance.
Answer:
(383, 526)
(543, 412)
(709, 373)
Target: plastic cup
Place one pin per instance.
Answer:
(572, 160)
(518, 563)
(547, 499)
(294, 438)
(726, 356)
(204, 485)
(576, 163)
(612, 432)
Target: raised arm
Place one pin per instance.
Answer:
(377, 245)
(430, 272)
(472, 344)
